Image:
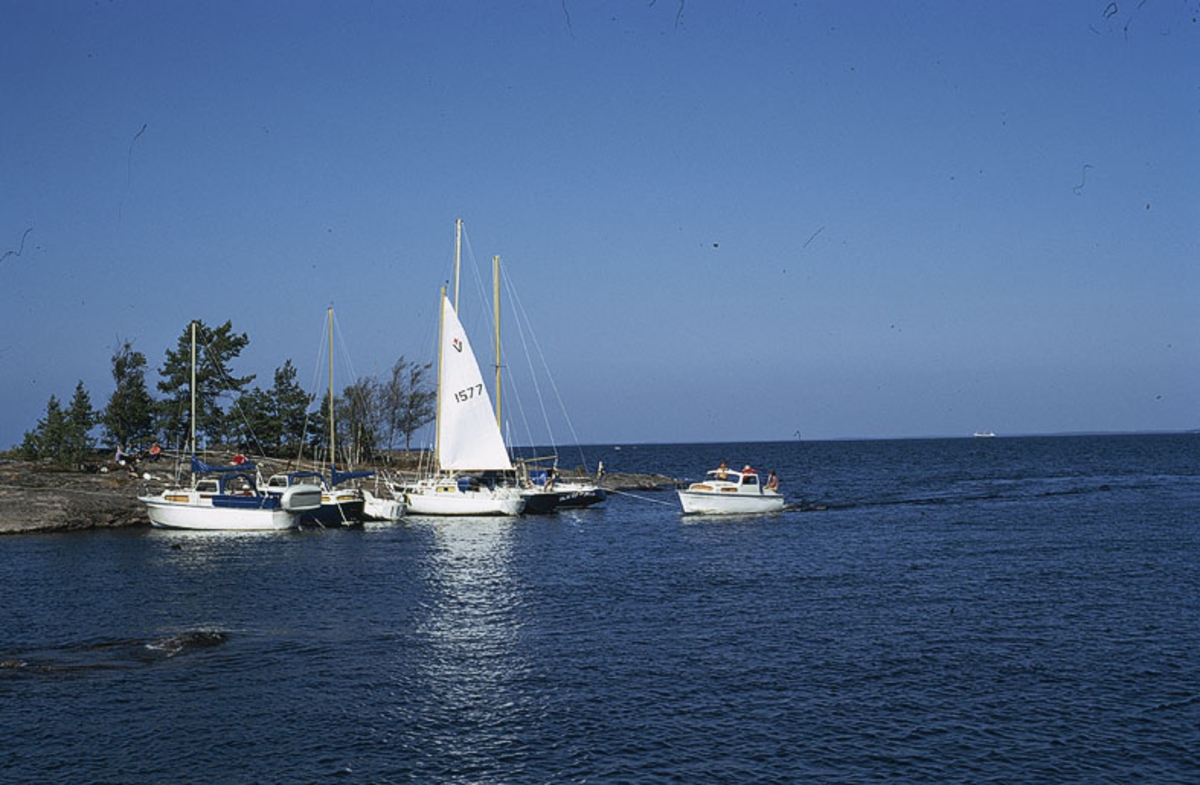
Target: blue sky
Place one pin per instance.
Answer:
(725, 220)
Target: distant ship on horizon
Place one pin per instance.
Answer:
(984, 434)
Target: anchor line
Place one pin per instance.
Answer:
(642, 498)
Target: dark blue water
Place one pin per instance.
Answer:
(955, 610)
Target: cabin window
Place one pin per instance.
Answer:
(749, 479)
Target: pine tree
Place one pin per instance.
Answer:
(77, 442)
(63, 437)
(272, 420)
(129, 415)
(215, 349)
(290, 403)
(45, 441)
(252, 422)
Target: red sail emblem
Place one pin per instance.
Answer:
(457, 344)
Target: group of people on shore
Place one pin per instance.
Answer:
(128, 457)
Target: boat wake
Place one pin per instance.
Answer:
(977, 492)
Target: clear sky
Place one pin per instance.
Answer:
(726, 220)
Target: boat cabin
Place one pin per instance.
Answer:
(278, 482)
(729, 481)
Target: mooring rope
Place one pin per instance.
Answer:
(642, 498)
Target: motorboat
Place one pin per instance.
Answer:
(229, 500)
(728, 492)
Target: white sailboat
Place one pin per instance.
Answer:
(226, 498)
(469, 448)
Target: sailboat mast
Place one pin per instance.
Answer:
(192, 448)
(437, 417)
(496, 310)
(457, 258)
(332, 430)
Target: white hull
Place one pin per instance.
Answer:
(377, 509)
(728, 492)
(181, 508)
(447, 499)
(202, 516)
(710, 503)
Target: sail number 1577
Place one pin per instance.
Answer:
(465, 395)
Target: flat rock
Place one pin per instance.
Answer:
(33, 499)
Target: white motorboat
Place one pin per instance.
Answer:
(229, 502)
(728, 492)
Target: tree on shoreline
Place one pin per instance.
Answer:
(129, 415)
(215, 349)
(371, 415)
(407, 402)
(273, 420)
(63, 437)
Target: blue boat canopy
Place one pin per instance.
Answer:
(200, 467)
(337, 478)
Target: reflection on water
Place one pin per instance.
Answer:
(470, 667)
(198, 549)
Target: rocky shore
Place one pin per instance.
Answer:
(35, 498)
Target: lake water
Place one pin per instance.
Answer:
(1023, 609)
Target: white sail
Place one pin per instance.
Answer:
(468, 437)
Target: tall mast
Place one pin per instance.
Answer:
(496, 310)
(332, 430)
(437, 417)
(193, 444)
(457, 258)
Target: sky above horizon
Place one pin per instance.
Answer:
(724, 221)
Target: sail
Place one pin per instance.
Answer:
(468, 437)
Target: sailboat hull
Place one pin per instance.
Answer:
(376, 508)
(449, 499)
(580, 496)
(202, 516)
(342, 507)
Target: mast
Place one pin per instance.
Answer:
(457, 258)
(496, 311)
(437, 417)
(193, 391)
(332, 430)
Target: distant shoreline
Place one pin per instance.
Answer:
(794, 440)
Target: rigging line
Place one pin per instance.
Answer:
(513, 393)
(524, 326)
(470, 261)
(553, 385)
(233, 401)
(351, 448)
(640, 498)
(311, 391)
